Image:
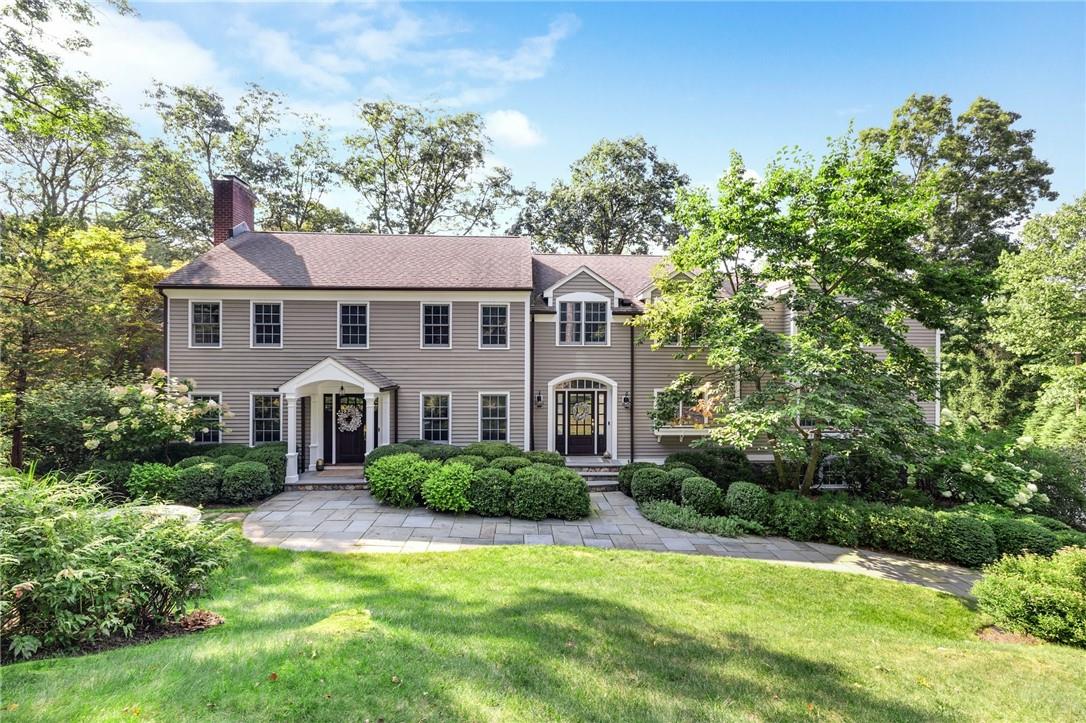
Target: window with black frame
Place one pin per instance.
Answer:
(354, 325)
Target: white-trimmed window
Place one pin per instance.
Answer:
(494, 417)
(354, 325)
(436, 325)
(213, 435)
(583, 322)
(205, 323)
(266, 319)
(493, 326)
(435, 416)
(265, 418)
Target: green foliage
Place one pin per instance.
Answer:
(472, 460)
(626, 474)
(968, 540)
(677, 475)
(747, 500)
(75, 575)
(1016, 536)
(1062, 486)
(440, 452)
(234, 450)
(870, 477)
(840, 523)
(112, 475)
(702, 496)
(198, 484)
(397, 479)
(151, 479)
(274, 456)
(794, 517)
(723, 465)
(388, 449)
(227, 460)
(569, 495)
(246, 482)
(192, 461)
(510, 464)
(489, 493)
(544, 457)
(446, 489)
(669, 514)
(531, 494)
(989, 383)
(905, 530)
(494, 450)
(1045, 597)
(53, 420)
(652, 483)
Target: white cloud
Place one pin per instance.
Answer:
(529, 61)
(276, 51)
(512, 128)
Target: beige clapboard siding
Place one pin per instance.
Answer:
(583, 282)
(309, 335)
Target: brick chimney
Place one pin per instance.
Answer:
(234, 203)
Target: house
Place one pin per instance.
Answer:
(338, 343)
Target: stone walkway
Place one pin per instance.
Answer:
(352, 521)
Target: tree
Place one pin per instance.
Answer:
(619, 200)
(422, 171)
(833, 242)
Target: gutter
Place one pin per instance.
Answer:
(165, 330)
(530, 401)
(633, 388)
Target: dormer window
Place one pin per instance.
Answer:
(583, 322)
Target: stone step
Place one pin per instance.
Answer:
(318, 485)
(602, 485)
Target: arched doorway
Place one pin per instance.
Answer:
(582, 415)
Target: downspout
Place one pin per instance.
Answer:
(165, 331)
(531, 382)
(633, 388)
(395, 415)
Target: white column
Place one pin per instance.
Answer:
(316, 423)
(292, 437)
(371, 420)
(386, 419)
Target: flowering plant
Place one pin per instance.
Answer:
(147, 415)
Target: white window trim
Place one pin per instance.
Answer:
(218, 400)
(580, 297)
(422, 396)
(616, 293)
(252, 413)
(479, 415)
(508, 327)
(422, 324)
(222, 325)
(252, 324)
(339, 325)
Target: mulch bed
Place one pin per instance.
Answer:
(993, 634)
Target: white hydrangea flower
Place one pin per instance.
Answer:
(115, 437)
(135, 424)
(967, 468)
(1035, 475)
(1024, 441)
(125, 411)
(147, 390)
(112, 426)
(1031, 487)
(989, 477)
(91, 444)
(1043, 498)
(182, 388)
(1013, 502)
(947, 493)
(158, 373)
(88, 424)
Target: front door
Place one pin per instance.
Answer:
(581, 422)
(350, 426)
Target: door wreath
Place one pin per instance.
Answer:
(349, 418)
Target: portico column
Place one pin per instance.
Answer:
(371, 420)
(292, 437)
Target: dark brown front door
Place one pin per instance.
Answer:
(581, 422)
(350, 425)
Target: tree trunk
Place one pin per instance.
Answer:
(17, 419)
(813, 457)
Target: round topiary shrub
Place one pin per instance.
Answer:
(151, 480)
(530, 494)
(446, 489)
(245, 482)
(397, 479)
(472, 460)
(1016, 536)
(652, 483)
(627, 472)
(275, 456)
(199, 483)
(234, 449)
(968, 540)
(542, 456)
(416, 442)
(440, 452)
(708, 465)
(227, 460)
(494, 450)
(192, 461)
(569, 495)
(510, 464)
(748, 501)
(678, 475)
(490, 491)
(387, 450)
(702, 495)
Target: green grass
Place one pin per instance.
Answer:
(522, 633)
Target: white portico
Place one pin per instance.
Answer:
(326, 383)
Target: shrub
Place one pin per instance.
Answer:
(840, 521)
(702, 496)
(510, 464)
(678, 475)
(440, 452)
(1070, 538)
(530, 494)
(652, 483)
(199, 483)
(387, 450)
(446, 489)
(794, 517)
(151, 479)
(275, 457)
(1016, 536)
(494, 450)
(569, 495)
(747, 500)
(1041, 596)
(236, 450)
(192, 461)
(416, 442)
(245, 482)
(472, 460)
(489, 492)
(669, 514)
(905, 530)
(542, 456)
(397, 479)
(113, 475)
(722, 465)
(53, 417)
(1062, 485)
(968, 540)
(227, 460)
(862, 473)
(626, 474)
(135, 572)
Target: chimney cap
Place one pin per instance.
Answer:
(232, 177)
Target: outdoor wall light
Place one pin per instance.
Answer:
(539, 399)
(626, 400)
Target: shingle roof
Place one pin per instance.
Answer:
(630, 274)
(361, 261)
(366, 371)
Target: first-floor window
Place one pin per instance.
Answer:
(266, 418)
(435, 417)
(494, 417)
(211, 434)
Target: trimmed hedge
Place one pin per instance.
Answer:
(388, 450)
(626, 473)
(227, 460)
(747, 500)
(542, 456)
(701, 495)
(968, 540)
(722, 465)
(1017, 536)
(397, 479)
(489, 492)
(569, 495)
(510, 464)
(238, 450)
(245, 482)
(200, 483)
(530, 494)
(440, 452)
(542, 491)
(275, 457)
(446, 489)
(494, 450)
(192, 461)
(472, 460)
(652, 483)
(151, 479)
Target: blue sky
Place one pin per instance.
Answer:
(697, 80)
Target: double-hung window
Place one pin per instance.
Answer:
(211, 434)
(493, 326)
(435, 417)
(354, 325)
(437, 325)
(205, 322)
(494, 417)
(267, 320)
(582, 322)
(266, 418)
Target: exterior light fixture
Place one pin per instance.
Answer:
(539, 399)
(626, 400)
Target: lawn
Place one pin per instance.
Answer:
(522, 633)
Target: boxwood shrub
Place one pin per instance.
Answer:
(908, 531)
(275, 457)
(793, 516)
(237, 450)
(440, 452)
(387, 450)
(192, 461)
(968, 540)
(722, 465)
(510, 464)
(472, 460)
(626, 474)
(544, 457)
(199, 484)
(569, 495)
(531, 493)
(1016, 536)
(652, 483)
(245, 482)
(489, 492)
(840, 522)
(446, 488)
(494, 450)
(227, 460)
(151, 479)
(702, 495)
(397, 479)
(747, 500)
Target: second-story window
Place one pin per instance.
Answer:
(494, 326)
(268, 323)
(582, 322)
(436, 325)
(354, 327)
(206, 321)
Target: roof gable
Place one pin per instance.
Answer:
(616, 292)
